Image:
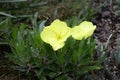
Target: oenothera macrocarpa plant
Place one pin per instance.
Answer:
(57, 52)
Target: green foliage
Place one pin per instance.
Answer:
(5, 30)
(21, 10)
(37, 59)
(32, 56)
(63, 9)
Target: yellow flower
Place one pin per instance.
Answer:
(83, 30)
(56, 34)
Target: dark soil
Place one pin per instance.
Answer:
(108, 34)
(6, 71)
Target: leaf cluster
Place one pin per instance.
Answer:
(37, 59)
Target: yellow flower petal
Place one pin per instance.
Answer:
(56, 34)
(84, 30)
(77, 33)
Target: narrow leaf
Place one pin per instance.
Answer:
(8, 15)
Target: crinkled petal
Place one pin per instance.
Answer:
(61, 29)
(84, 30)
(77, 33)
(57, 45)
(88, 28)
(56, 34)
(48, 35)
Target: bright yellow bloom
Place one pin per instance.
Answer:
(56, 34)
(83, 30)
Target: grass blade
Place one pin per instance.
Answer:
(8, 15)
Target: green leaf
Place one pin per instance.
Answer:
(41, 25)
(14, 33)
(8, 15)
(3, 42)
(85, 61)
(75, 57)
(86, 69)
(75, 21)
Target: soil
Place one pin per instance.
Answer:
(107, 34)
(6, 72)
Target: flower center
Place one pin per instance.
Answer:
(58, 37)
